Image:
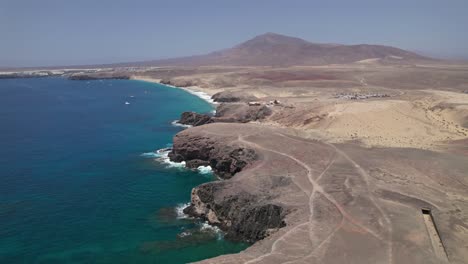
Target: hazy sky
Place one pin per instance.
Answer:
(66, 32)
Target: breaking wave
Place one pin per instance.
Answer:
(205, 170)
(199, 94)
(180, 210)
(206, 227)
(176, 123)
(162, 155)
(202, 95)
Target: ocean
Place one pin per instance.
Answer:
(80, 181)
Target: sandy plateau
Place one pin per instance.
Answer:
(368, 162)
(424, 111)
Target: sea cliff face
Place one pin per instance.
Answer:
(197, 150)
(228, 113)
(195, 119)
(241, 214)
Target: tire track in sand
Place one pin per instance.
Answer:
(316, 187)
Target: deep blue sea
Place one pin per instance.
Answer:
(74, 185)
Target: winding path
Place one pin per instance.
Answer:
(319, 189)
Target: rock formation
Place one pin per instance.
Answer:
(233, 97)
(241, 112)
(227, 113)
(244, 216)
(310, 201)
(195, 119)
(195, 150)
(177, 82)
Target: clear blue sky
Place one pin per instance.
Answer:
(65, 32)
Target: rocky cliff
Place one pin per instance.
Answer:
(310, 201)
(242, 215)
(196, 150)
(227, 113)
(232, 97)
(241, 112)
(195, 119)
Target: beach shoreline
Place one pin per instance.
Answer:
(204, 94)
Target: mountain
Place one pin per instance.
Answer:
(272, 49)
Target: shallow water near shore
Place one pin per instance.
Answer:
(74, 185)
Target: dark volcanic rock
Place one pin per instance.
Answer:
(195, 163)
(232, 97)
(225, 160)
(242, 215)
(194, 119)
(227, 113)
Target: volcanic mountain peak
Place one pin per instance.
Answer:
(273, 38)
(271, 49)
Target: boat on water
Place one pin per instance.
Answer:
(127, 103)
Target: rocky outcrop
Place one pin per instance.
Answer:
(177, 82)
(225, 160)
(227, 113)
(241, 112)
(243, 216)
(233, 97)
(194, 119)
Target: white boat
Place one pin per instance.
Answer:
(127, 103)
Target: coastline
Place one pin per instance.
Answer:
(144, 230)
(298, 171)
(204, 94)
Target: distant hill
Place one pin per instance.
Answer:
(272, 49)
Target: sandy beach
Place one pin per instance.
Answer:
(205, 94)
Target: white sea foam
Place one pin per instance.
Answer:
(171, 164)
(162, 155)
(205, 169)
(206, 227)
(200, 94)
(150, 155)
(176, 123)
(184, 234)
(180, 210)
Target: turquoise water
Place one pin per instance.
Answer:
(74, 186)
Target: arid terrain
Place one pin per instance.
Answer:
(368, 162)
(411, 106)
(365, 161)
